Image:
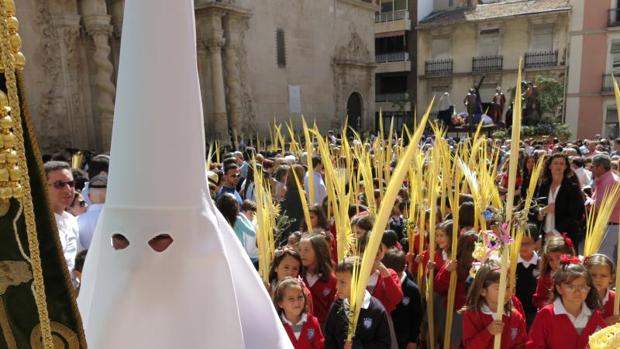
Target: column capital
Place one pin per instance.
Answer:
(98, 24)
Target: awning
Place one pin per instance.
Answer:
(390, 34)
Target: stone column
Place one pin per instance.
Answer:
(234, 27)
(99, 28)
(214, 43)
(69, 101)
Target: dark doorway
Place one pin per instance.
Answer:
(354, 111)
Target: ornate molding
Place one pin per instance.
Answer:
(371, 6)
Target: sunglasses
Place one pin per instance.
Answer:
(62, 184)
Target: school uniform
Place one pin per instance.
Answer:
(555, 328)
(440, 259)
(442, 285)
(544, 290)
(386, 289)
(323, 294)
(607, 304)
(372, 332)
(306, 334)
(306, 290)
(527, 272)
(476, 335)
(408, 315)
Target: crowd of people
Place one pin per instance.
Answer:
(558, 301)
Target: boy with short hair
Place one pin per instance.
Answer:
(373, 330)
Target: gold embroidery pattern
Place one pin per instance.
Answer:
(12, 59)
(12, 273)
(62, 337)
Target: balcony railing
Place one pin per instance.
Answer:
(613, 19)
(487, 64)
(608, 83)
(438, 67)
(391, 97)
(541, 59)
(391, 16)
(392, 57)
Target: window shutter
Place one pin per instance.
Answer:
(614, 54)
(280, 48)
(440, 48)
(489, 43)
(542, 38)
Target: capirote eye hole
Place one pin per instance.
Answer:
(161, 242)
(119, 242)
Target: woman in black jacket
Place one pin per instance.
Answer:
(291, 204)
(563, 200)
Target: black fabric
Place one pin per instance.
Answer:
(18, 300)
(372, 332)
(569, 207)
(408, 315)
(525, 289)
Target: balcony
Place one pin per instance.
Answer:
(613, 19)
(391, 97)
(392, 101)
(392, 21)
(608, 83)
(392, 57)
(438, 67)
(391, 16)
(485, 64)
(393, 62)
(541, 59)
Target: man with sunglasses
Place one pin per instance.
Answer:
(61, 190)
(231, 178)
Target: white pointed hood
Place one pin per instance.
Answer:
(202, 291)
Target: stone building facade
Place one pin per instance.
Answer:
(257, 60)
(463, 40)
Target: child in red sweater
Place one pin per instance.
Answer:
(550, 262)
(601, 269)
(479, 324)
(318, 273)
(461, 264)
(287, 263)
(573, 316)
(384, 283)
(302, 328)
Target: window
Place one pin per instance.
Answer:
(400, 5)
(488, 44)
(387, 6)
(280, 48)
(614, 57)
(611, 123)
(440, 48)
(541, 38)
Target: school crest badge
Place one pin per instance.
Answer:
(367, 322)
(326, 292)
(513, 333)
(406, 301)
(310, 334)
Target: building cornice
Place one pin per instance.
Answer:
(370, 6)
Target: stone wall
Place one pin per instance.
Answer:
(72, 49)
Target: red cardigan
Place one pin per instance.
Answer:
(439, 262)
(442, 285)
(310, 337)
(608, 308)
(476, 335)
(544, 290)
(551, 331)
(388, 291)
(323, 295)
